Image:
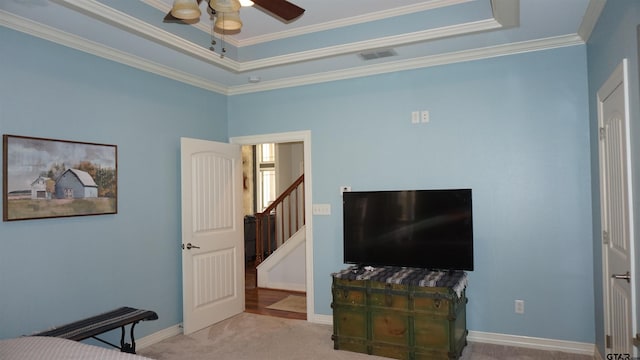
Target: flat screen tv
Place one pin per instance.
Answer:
(410, 228)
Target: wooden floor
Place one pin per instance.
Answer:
(257, 299)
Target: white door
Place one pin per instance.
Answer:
(212, 233)
(616, 212)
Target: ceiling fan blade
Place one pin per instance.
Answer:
(280, 8)
(172, 19)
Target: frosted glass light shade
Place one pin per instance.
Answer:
(245, 3)
(225, 6)
(185, 9)
(229, 21)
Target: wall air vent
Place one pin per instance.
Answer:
(377, 54)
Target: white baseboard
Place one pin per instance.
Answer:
(159, 336)
(532, 342)
(508, 340)
(597, 355)
(320, 319)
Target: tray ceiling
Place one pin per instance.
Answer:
(334, 39)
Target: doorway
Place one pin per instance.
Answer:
(305, 138)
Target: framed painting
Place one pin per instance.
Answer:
(49, 178)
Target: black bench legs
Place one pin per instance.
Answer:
(96, 325)
(124, 346)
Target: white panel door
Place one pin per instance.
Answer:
(616, 213)
(212, 233)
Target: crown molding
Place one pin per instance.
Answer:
(51, 34)
(590, 18)
(32, 28)
(417, 63)
(75, 42)
(389, 41)
(354, 20)
(131, 24)
(328, 25)
(134, 25)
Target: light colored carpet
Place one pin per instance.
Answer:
(292, 303)
(258, 337)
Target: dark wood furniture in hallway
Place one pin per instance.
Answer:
(257, 299)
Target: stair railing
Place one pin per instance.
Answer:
(280, 220)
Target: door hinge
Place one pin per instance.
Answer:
(601, 133)
(605, 237)
(636, 340)
(607, 342)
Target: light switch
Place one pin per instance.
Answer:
(415, 117)
(321, 209)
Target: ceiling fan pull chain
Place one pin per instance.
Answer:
(213, 31)
(224, 50)
(213, 26)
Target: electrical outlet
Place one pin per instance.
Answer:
(519, 306)
(424, 116)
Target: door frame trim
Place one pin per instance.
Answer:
(304, 137)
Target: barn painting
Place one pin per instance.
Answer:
(46, 178)
(41, 188)
(76, 184)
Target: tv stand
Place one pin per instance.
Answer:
(401, 313)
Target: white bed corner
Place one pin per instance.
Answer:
(51, 348)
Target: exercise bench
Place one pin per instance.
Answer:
(96, 325)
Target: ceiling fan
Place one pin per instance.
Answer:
(227, 12)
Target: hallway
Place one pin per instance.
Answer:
(257, 299)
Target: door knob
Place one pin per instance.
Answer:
(626, 276)
(189, 246)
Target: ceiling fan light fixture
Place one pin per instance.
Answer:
(225, 6)
(185, 9)
(228, 21)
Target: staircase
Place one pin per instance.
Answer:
(285, 268)
(280, 239)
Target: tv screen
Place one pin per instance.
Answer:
(411, 228)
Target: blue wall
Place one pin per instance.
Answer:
(514, 129)
(58, 270)
(613, 39)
